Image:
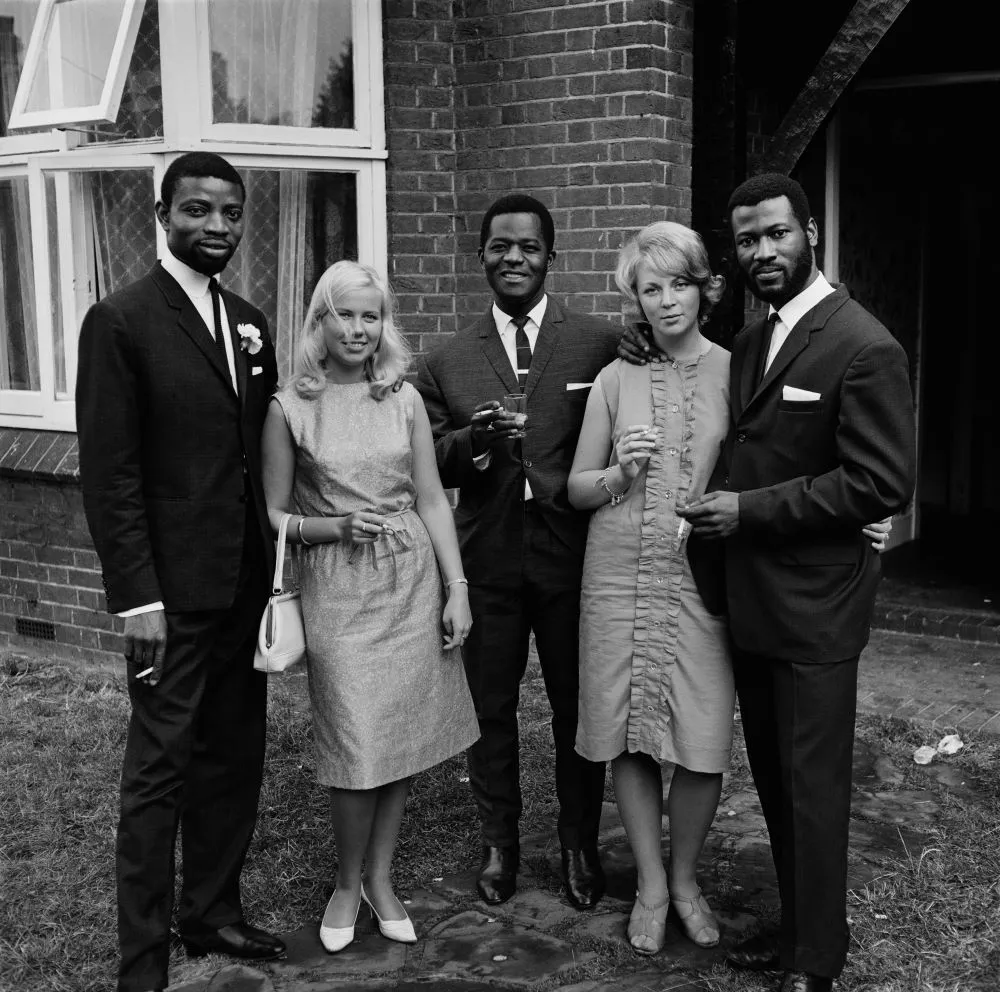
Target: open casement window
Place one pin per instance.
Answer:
(76, 63)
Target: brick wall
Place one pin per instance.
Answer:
(420, 133)
(586, 105)
(49, 573)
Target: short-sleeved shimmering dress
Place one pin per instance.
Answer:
(387, 700)
(655, 671)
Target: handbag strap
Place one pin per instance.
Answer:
(279, 562)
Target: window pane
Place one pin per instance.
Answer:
(18, 332)
(76, 54)
(297, 224)
(112, 229)
(282, 63)
(140, 114)
(17, 18)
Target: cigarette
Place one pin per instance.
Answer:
(145, 672)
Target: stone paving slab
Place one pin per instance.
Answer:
(537, 940)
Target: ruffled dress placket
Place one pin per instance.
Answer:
(661, 555)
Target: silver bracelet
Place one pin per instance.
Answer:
(457, 582)
(602, 483)
(302, 539)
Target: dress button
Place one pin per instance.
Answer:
(668, 494)
(673, 451)
(675, 408)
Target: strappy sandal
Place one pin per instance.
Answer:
(697, 918)
(648, 923)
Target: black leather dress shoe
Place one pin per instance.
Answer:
(802, 981)
(584, 876)
(238, 940)
(497, 879)
(758, 953)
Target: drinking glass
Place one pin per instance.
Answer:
(517, 403)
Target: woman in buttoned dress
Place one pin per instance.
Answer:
(656, 683)
(348, 450)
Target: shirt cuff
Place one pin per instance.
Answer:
(482, 462)
(135, 611)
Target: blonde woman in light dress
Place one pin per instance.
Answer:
(348, 450)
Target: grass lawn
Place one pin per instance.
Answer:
(931, 922)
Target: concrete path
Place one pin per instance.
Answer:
(537, 940)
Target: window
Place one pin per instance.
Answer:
(96, 99)
(18, 338)
(98, 227)
(74, 69)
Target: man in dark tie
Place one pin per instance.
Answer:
(522, 543)
(821, 440)
(174, 379)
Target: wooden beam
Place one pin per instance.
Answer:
(865, 26)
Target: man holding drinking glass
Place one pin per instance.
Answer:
(506, 397)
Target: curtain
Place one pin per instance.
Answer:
(272, 264)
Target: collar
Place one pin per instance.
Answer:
(535, 314)
(194, 284)
(797, 307)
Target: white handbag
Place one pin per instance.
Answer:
(281, 640)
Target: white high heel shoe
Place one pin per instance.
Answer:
(398, 930)
(336, 939)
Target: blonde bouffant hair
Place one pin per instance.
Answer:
(386, 368)
(669, 248)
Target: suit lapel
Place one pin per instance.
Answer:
(496, 354)
(191, 323)
(796, 342)
(545, 344)
(751, 362)
(239, 353)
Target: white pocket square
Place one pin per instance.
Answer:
(796, 395)
(255, 370)
(570, 386)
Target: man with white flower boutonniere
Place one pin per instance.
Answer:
(175, 374)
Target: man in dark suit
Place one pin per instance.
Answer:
(821, 441)
(174, 378)
(522, 543)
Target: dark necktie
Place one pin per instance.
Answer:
(220, 343)
(765, 346)
(523, 349)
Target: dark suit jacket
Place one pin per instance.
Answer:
(472, 367)
(800, 576)
(164, 442)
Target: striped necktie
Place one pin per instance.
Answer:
(523, 348)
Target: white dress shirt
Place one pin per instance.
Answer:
(793, 311)
(507, 332)
(195, 286)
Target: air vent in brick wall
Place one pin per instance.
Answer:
(41, 629)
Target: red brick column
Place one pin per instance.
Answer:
(420, 133)
(588, 107)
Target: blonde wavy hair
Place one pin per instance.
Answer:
(386, 368)
(668, 247)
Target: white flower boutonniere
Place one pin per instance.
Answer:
(249, 338)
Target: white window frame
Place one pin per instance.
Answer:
(28, 402)
(106, 109)
(185, 79)
(190, 79)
